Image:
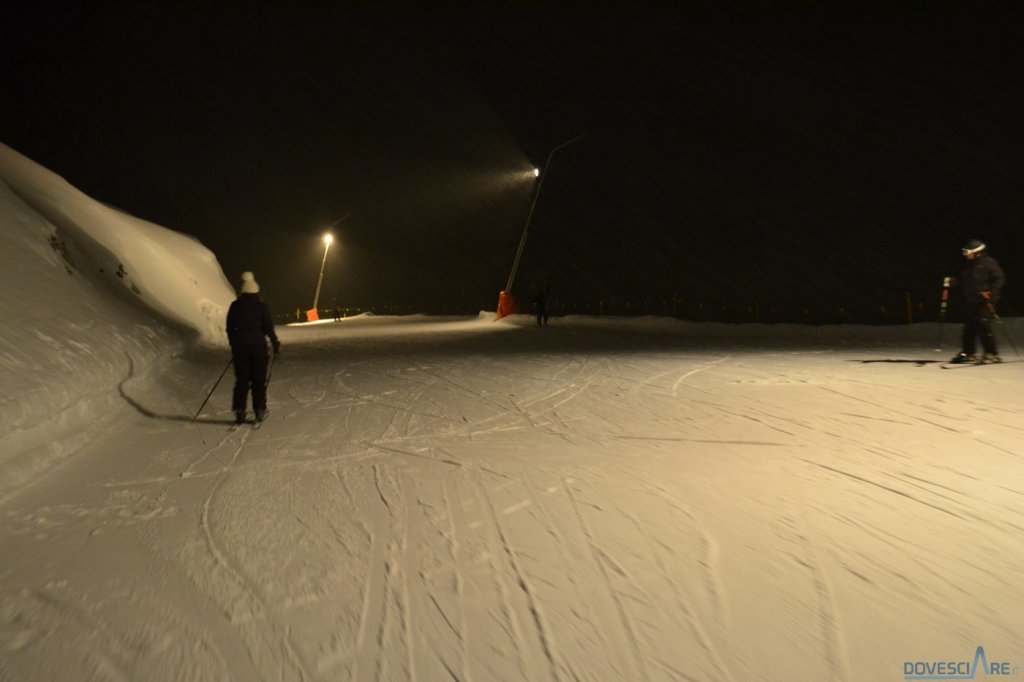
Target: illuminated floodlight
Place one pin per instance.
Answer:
(328, 239)
(526, 228)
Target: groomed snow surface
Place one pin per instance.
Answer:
(466, 499)
(598, 500)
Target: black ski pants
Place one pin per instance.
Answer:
(250, 372)
(542, 315)
(978, 326)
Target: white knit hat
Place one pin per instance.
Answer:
(249, 285)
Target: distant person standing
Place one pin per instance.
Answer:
(249, 325)
(981, 283)
(540, 305)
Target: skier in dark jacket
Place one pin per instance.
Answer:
(981, 283)
(249, 325)
(540, 305)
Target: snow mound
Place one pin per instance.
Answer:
(167, 271)
(89, 297)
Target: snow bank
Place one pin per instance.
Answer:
(169, 272)
(86, 296)
(66, 344)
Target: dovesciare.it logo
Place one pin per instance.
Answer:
(958, 670)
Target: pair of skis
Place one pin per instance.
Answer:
(977, 363)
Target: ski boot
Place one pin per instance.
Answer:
(260, 414)
(992, 357)
(239, 416)
(964, 358)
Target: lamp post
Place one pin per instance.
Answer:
(328, 239)
(327, 245)
(522, 241)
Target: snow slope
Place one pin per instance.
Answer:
(171, 273)
(88, 295)
(444, 498)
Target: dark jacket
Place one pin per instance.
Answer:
(982, 274)
(249, 322)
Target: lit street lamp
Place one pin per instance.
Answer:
(312, 314)
(507, 293)
(327, 245)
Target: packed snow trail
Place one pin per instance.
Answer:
(469, 500)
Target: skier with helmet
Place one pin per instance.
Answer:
(981, 283)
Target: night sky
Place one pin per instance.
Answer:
(800, 156)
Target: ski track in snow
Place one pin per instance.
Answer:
(579, 508)
(254, 609)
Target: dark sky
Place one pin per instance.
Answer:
(809, 154)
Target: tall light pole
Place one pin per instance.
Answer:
(522, 241)
(328, 239)
(327, 245)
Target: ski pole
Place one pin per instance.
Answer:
(270, 369)
(215, 384)
(942, 309)
(999, 320)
